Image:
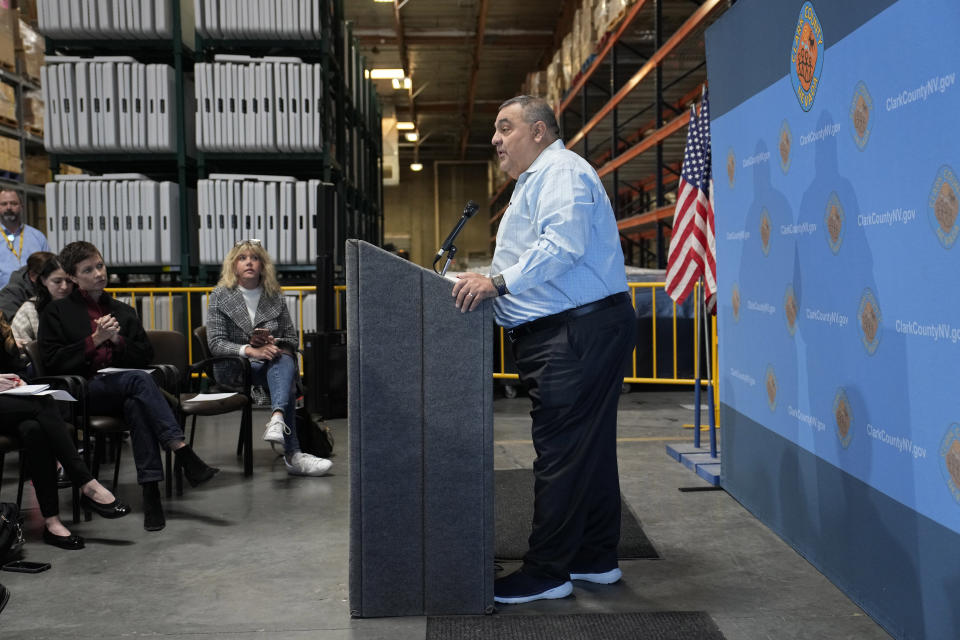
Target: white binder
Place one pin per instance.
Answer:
(135, 21)
(124, 113)
(112, 238)
(249, 105)
(138, 97)
(235, 198)
(211, 16)
(81, 206)
(126, 221)
(168, 112)
(301, 224)
(149, 211)
(108, 102)
(293, 106)
(285, 228)
(229, 108)
(271, 240)
(68, 128)
(162, 18)
(118, 238)
(82, 79)
(170, 231)
(203, 104)
(65, 234)
(259, 210)
(105, 18)
(51, 98)
(306, 107)
(268, 115)
(53, 214)
(280, 98)
(305, 20)
(88, 18)
(247, 223)
(313, 202)
(75, 20)
(221, 219)
(200, 17)
(317, 107)
(119, 15)
(95, 213)
(136, 220)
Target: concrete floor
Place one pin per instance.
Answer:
(267, 556)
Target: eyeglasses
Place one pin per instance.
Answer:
(253, 241)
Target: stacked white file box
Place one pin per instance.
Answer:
(280, 211)
(108, 103)
(260, 19)
(259, 104)
(105, 18)
(132, 220)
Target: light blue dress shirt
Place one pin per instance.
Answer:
(558, 246)
(33, 241)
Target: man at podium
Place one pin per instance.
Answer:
(560, 290)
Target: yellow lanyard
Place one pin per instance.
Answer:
(10, 244)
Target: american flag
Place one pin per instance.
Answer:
(693, 246)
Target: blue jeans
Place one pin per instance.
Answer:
(135, 397)
(280, 377)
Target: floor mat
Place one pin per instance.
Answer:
(652, 625)
(513, 491)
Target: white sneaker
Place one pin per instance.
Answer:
(304, 464)
(275, 430)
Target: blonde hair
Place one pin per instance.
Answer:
(268, 274)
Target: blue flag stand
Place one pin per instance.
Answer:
(705, 463)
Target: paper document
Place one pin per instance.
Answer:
(210, 397)
(121, 370)
(39, 390)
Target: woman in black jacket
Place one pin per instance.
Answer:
(37, 421)
(89, 330)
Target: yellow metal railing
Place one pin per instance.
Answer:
(502, 374)
(150, 322)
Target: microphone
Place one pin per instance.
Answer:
(468, 212)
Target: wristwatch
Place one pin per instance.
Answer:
(500, 284)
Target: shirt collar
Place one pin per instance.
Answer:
(88, 299)
(556, 145)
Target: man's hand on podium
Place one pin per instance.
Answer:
(470, 289)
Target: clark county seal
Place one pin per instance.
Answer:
(833, 222)
(950, 460)
(861, 115)
(943, 206)
(770, 383)
(765, 231)
(844, 417)
(870, 321)
(790, 309)
(786, 141)
(806, 56)
(731, 166)
(735, 302)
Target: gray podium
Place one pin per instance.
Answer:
(421, 441)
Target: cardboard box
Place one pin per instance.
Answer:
(33, 112)
(37, 169)
(30, 50)
(8, 105)
(8, 35)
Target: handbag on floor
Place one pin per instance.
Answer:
(11, 531)
(315, 439)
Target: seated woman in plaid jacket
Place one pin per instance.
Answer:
(247, 316)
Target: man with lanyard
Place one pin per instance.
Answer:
(560, 290)
(19, 240)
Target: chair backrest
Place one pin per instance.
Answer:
(200, 333)
(169, 347)
(32, 349)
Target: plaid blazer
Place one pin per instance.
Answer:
(229, 328)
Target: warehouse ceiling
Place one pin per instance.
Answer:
(459, 80)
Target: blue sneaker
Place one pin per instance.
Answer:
(521, 587)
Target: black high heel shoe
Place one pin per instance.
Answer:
(115, 509)
(70, 543)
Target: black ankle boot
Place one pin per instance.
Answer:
(196, 470)
(153, 518)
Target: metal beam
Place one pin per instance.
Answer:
(657, 136)
(679, 36)
(474, 71)
(404, 55)
(508, 39)
(643, 219)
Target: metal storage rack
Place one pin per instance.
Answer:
(27, 142)
(175, 166)
(628, 109)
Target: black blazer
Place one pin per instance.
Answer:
(65, 325)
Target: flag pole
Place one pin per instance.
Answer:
(708, 351)
(696, 387)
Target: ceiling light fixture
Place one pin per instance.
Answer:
(411, 136)
(406, 126)
(386, 74)
(416, 166)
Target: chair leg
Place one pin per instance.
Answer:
(240, 436)
(193, 428)
(168, 474)
(116, 466)
(246, 434)
(23, 478)
(98, 451)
